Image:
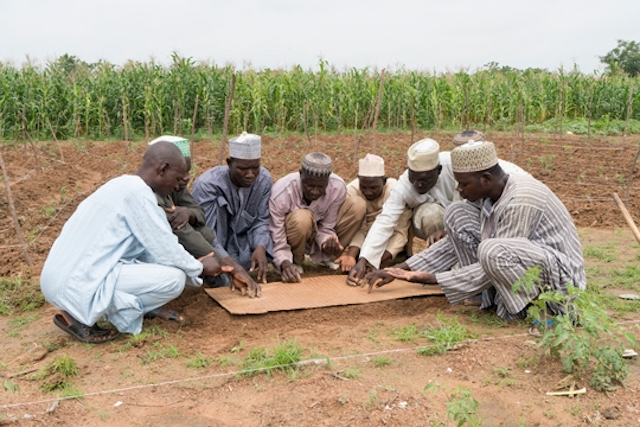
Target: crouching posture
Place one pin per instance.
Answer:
(507, 225)
(117, 259)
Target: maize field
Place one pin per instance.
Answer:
(69, 98)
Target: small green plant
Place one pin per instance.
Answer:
(547, 160)
(406, 333)
(283, 356)
(49, 210)
(10, 386)
(160, 352)
(146, 334)
(601, 254)
(501, 372)
(351, 373)
(343, 399)
(18, 293)
(370, 403)
(444, 335)
(199, 361)
(595, 348)
(238, 348)
(620, 178)
(380, 362)
(20, 321)
(461, 406)
(57, 375)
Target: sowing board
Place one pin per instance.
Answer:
(313, 292)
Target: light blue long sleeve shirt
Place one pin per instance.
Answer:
(119, 223)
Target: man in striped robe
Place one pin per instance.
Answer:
(507, 225)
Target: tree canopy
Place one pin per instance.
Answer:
(625, 56)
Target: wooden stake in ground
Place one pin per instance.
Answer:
(27, 136)
(627, 216)
(374, 144)
(225, 125)
(16, 223)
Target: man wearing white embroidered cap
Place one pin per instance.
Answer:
(513, 224)
(426, 188)
(235, 199)
(373, 188)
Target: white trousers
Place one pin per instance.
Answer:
(149, 286)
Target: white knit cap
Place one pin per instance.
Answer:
(371, 166)
(246, 146)
(424, 155)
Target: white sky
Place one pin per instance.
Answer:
(421, 35)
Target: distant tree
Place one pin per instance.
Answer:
(625, 56)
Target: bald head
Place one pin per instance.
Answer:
(162, 151)
(163, 166)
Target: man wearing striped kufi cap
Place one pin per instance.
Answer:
(516, 223)
(235, 199)
(311, 214)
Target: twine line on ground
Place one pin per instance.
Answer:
(316, 361)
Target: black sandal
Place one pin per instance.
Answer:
(83, 333)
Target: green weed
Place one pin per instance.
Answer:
(595, 348)
(351, 373)
(406, 333)
(19, 293)
(56, 376)
(283, 357)
(461, 406)
(370, 403)
(444, 335)
(144, 336)
(11, 386)
(199, 361)
(600, 254)
(160, 352)
(547, 160)
(380, 362)
(20, 321)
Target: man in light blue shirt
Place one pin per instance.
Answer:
(116, 257)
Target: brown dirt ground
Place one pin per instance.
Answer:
(583, 173)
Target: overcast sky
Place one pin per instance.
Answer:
(421, 35)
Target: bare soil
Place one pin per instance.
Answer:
(502, 369)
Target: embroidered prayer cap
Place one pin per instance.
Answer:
(474, 156)
(424, 155)
(317, 165)
(178, 141)
(371, 166)
(468, 135)
(246, 146)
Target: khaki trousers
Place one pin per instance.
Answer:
(301, 228)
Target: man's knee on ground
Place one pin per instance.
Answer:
(428, 218)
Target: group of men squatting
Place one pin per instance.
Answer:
(133, 245)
